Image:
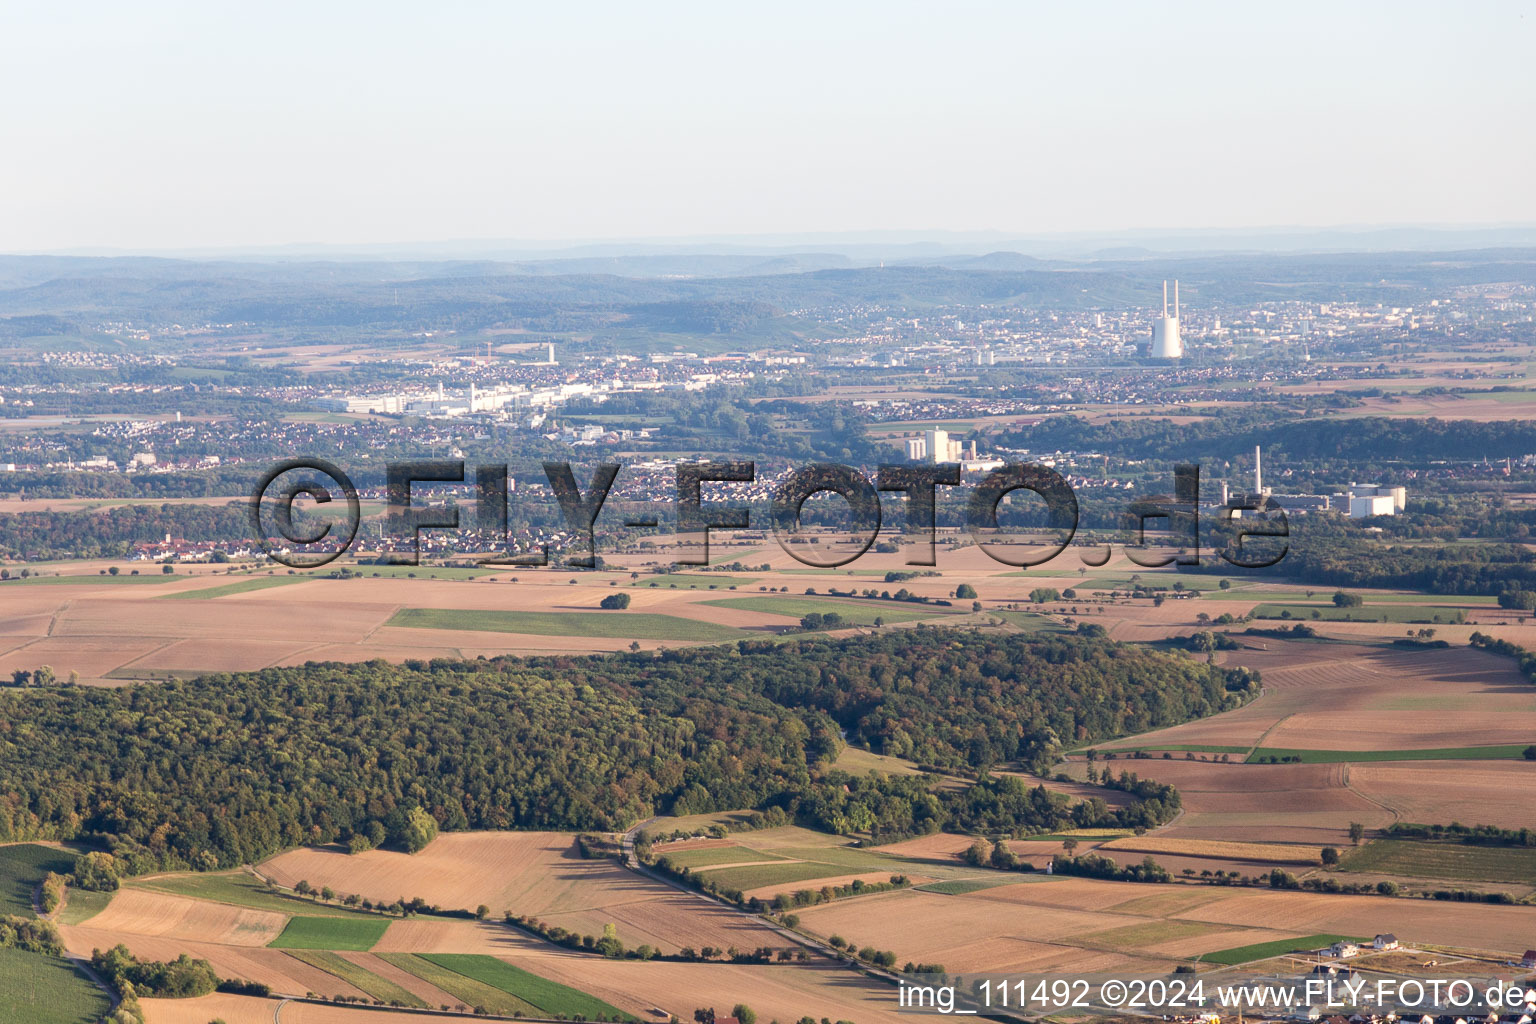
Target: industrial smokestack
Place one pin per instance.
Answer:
(1175, 298)
(1258, 470)
(1165, 300)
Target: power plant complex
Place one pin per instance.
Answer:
(1166, 343)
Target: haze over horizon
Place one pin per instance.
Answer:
(174, 126)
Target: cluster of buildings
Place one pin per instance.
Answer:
(502, 401)
(1360, 501)
(936, 446)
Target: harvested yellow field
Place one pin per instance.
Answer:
(538, 874)
(1473, 792)
(1318, 696)
(143, 912)
(782, 993)
(285, 974)
(1257, 853)
(958, 932)
(435, 935)
(1086, 922)
(248, 1010)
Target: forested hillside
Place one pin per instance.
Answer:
(226, 769)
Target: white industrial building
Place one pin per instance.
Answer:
(1367, 500)
(940, 448)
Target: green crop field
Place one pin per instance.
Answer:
(692, 581)
(615, 624)
(709, 856)
(853, 573)
(735, 556)
(1456, 861)
(358, 977)
(962, 886)
(1403, 613)
(80, 905)
(753, 876)
(359, 932)
(1194, 748)
(1494, 753)
(1265, 950)
(553, 998)
(861, 613)
(38, 989)
(461, 986)
(238, 587)
(22, 868)
(419, 572)
(241, 890)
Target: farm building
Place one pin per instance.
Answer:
(1385, 941)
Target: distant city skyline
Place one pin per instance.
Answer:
(177, 127)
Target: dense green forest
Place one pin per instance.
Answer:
(226, 769)
(1333, 553)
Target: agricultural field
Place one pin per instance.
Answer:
(100, 627)
(22, 869)
(83, 904)
(1458, 862)
(38, 989)
(693, 581)
(358, 977)
(857, 613)
(540, 874)
(148, 913)
(613, 625)
(250, 1010)
(463, 988)
(239, 587)
(766, 863)
(1257, 853)
(1279, 947)
(241, 889)
(359, 933)
(1349, 697)
(1392, 612)
(549, 998)
(1070, 924)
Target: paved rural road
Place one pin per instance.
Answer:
(631, 861)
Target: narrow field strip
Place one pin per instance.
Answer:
(553, 998)
(473, 993)
(613, 625)
(357, 976)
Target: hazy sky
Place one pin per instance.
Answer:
(162, 125)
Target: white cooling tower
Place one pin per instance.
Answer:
(1166, 343)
